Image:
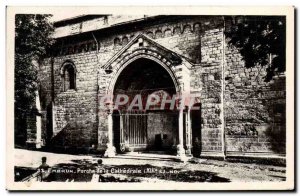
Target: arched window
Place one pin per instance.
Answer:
(68, 73)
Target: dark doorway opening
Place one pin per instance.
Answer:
(196, 130)
(146, 129)
(116, 130)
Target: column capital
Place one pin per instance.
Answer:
(109, 111)
(183, 102)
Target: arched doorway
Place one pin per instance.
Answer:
(141, 129)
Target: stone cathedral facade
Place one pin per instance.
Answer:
(239, 114)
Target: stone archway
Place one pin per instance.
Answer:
(141, 129)
(140, 54)
(176, 69)
(144, 75)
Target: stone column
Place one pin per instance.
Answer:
(38, 121)
(180, 149)
(38, 131)
(188, 132)
(111, 150)
(122, 139)
(34, 126)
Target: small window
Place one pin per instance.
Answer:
(69, 77)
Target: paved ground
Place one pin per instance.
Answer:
(153, 168)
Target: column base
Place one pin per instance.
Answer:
(33, 144)
(110, 151)
(181, 153)
(38, 145)
(188, 151)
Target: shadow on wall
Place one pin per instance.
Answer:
(195, 53)
(75, 137)
(277, 139)
(49, 128)
(276, 131)
(256, 120)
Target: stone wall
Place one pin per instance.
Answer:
(31, 129)
(206, 79)
(254, 109)
(164, 124)
(75, 111)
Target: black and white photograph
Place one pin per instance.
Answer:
(190, 98)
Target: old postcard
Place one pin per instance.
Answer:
(150, 98)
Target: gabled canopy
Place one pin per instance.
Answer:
(143, 42)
